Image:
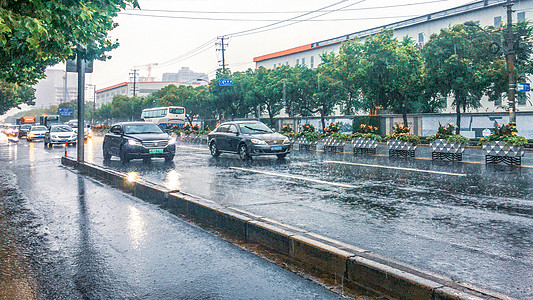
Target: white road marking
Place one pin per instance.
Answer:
(394, 168)
(297, 178)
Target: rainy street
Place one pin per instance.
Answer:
(469, 221)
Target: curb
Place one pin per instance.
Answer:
(352, 266)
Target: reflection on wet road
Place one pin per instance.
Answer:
(471, 222)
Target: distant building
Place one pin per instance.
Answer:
(126, 88)
(485, 13)
(58, 86)
(185, 75)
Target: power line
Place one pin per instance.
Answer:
(200, 49)
(285, 12)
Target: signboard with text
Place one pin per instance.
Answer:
(65, 111)
(523, 87)
(225, 82)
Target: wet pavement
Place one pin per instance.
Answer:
(469, 221)
(65, 236)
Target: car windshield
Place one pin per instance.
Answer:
(254, 128)
(38, 128)
(61, 129)
(141, 128)
(25, 126)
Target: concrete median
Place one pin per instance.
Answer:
(347, 264)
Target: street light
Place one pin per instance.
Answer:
(510, 58)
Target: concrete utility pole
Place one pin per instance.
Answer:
(222, 49)
(134, 73)
(510, 56)
(80, 64)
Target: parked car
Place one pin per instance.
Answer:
(247, 138)
(59, 134)
(138, 140)
(24, 129)
(36, 132)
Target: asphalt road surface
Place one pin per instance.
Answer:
(65, 236)
(469, 221)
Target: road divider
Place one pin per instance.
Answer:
(347, 266)
(393, 168)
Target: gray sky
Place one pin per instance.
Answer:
(177, 27)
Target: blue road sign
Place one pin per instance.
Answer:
(523, 87)
(65, 111)
(225, 82)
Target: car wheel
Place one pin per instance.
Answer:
(107, 156)
(169, 158)
(124, 157)
(28, 140)
(214, 150)
(281, 156)
(243, 152)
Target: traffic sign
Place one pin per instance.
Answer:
(523, 87)
(65, 111)
(72, 65)
(225, 82)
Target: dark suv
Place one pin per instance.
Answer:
(138, 140)
(247, 138)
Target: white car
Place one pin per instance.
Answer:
(36, 132)
(60, 134)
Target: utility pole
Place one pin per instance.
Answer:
(510, 56)
(222, 49)
(134, 73)
(80, 66)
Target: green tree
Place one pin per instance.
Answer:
(13, 95)
(457, 66)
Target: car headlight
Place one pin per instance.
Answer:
(286, 140)
(134, 143)
(171, 141)
(31, 134)
(258, 141)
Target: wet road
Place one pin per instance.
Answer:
(64, 236)
(469, 221)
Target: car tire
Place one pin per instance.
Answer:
(243, 152)
(124, 157)
(169, 158)
(28, 140)
(213, 149)
(281, 156)
(107, 156)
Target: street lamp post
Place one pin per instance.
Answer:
(508, 50)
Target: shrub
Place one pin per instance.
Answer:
(447, 133)
(507, 134)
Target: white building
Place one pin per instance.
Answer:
(58, 86)
(485, 13)
(141, 89)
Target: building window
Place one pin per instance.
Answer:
(312, 62)
(521, 15)
(297, 61)
(303, 61)
(497, 22)
(498, 101)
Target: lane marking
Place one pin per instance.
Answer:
(394, 168)
(297, 178)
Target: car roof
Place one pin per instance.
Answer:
(133, 123)
(241, 122)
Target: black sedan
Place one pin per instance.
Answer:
(138, 140)
(247, 138)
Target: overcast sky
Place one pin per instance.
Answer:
(183, 33)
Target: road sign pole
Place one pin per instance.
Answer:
(81, 106)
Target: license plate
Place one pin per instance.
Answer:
(64, 140)
(155, 151)
(275, 148)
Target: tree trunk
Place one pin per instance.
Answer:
(404, 115)
(458, 111)
(270, 116)
(323, 121)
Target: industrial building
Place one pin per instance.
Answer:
(484, 13)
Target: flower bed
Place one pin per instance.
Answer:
(401, 142)
(503, 146)
(447, 145)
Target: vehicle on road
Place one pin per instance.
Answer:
(24, 129)
(49, 120)
(247, 139)
(59, 134)
(138, 140)
(11, 130)
(163, 116)
(36, 133)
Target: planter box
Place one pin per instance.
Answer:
(333, 145)
(442, 149)
(498, 151)
(305, 144)
(401, 148)
(365, 146)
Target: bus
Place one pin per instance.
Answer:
(163, 116)
(48, 120)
